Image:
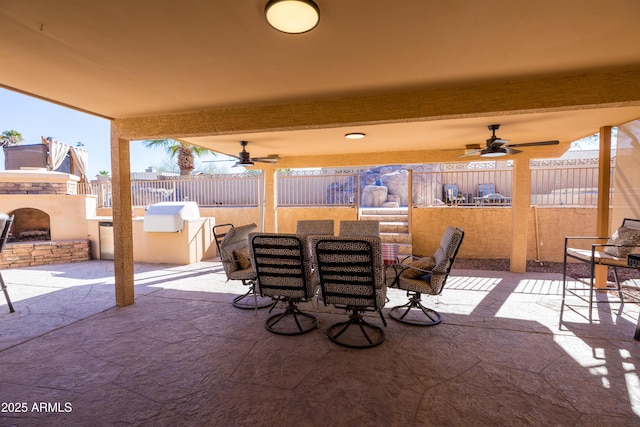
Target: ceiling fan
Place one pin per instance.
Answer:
(245, 159)
(499, 147)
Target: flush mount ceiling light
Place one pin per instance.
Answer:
(292, 16)
(355, 135)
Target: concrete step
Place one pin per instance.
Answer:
(394, 227)
(403, 238)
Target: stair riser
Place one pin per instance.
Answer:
(394, 230)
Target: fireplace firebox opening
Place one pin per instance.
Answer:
(30, 224)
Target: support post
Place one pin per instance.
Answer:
(269, 200)
(122, 224)
(520, 198)
(604, 184)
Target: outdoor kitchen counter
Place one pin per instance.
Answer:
(194, 243)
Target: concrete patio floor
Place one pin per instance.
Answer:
(183, 355)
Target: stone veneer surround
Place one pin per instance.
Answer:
(38, 188)
(26, 254)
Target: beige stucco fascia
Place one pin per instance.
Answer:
(550, 94)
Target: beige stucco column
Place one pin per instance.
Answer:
(604, 182)
(122, 224)
(520, 198)
(269, 198)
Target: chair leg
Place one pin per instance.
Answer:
(6, 294)
(406, 313)
(618, 286)
(304, 322)
(251, 300)
(592, 288)
(564, 285)
(373, 335)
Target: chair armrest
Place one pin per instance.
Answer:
(584, 238)
(408, 258)
(401, 267)
(580, 238)
(617, 245)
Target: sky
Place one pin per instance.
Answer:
(34, 119)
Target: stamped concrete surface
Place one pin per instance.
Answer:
(183, 355)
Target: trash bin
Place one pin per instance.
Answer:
(105, 234)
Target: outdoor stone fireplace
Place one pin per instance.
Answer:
(51, 219)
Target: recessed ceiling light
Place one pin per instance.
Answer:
(355, 135)
(292, 16)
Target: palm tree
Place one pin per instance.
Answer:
(186, 152)
(10, 137)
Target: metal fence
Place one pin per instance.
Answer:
(315, 188)
(553, 183)
(464, 184)
(224, 190)
(566, 183)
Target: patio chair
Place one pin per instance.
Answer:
(315, 227)
(614, 253)
(5, 226)
(351, 278)
(233, 248)
(487, 195)
(283, 273)
(486, 189)
(451, 195)
(359, 228)
(428, 276)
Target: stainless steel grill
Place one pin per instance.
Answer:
(169, 217)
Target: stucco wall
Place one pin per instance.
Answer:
(488, 231)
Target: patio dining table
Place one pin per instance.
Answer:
(390, 253)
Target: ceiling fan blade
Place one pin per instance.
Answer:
(217, 161)
(531, 144)
(512, 150)
(268, 159)
(471, 153)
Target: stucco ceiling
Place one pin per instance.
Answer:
(127, 59)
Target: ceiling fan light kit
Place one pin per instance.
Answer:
(493, 152)
(292, 16)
